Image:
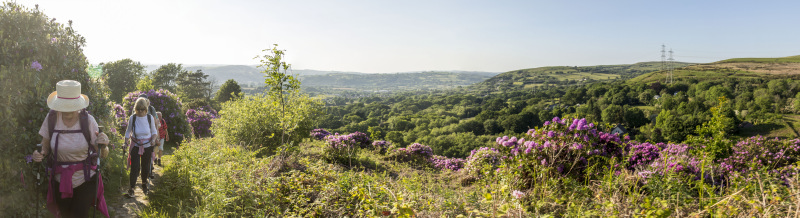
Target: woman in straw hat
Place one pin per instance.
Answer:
(142, 134)
(75, 185)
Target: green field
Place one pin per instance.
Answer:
(692, 74)
(787, 127)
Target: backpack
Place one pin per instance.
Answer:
(132, 124)
(83, 120)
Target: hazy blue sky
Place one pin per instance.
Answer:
(380, 36)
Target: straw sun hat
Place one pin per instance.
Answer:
(67, 97)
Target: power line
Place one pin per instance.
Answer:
(671, 67)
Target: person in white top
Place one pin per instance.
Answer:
(141, 134)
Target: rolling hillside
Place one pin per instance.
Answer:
(565, 75)
(395, 81)
(736, 67)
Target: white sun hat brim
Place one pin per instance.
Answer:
(67, 105)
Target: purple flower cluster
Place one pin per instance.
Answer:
(580, 124)
(319, 134)
(442, 163)
(36, 65)
(642, 154)
(120, 118)
(201, 122)
(349, 141)
(758, 152)
(381, 145)
(480, 157)
(513, 143)
(675, 158)
(509, 142)
(420, 150)
(362, 139)
(566, 146)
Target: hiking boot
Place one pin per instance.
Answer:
(130, 193)
(145, 189)
(152, 176)
(158, 162)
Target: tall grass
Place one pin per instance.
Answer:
(208, 178)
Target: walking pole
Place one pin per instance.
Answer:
(38, 182)
(97, 182)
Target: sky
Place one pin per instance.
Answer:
(382, 36)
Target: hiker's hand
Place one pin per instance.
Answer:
(102, 138)
(37, 156)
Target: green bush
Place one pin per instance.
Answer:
(35, 53)
(255, 121)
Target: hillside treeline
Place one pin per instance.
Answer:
(455, 123)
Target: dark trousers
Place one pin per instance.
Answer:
(140, 164)
(81, 202)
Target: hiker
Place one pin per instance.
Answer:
(152, 112)
(142, 136)
(163, 133)
(71, 141)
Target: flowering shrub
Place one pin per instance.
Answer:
(120, 119)
(419, 150)
(442, 163)
(675, 158)
(170, 107)
(381, 146)
(345, 146)
(642, 154)
(418, 153)
(481, 157)
(319, 134)
(361, 139)
(349, 141)
(200, 121)
(758, 152)
(564, 147)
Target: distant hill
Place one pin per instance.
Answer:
(395, 81)
(790, 59)
(567, 75)
(736, 67)
(252, 76)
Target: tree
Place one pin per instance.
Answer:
(647, 96)
(229, 90)
(281, 85)
(122, 77)
(165, 76)
(395, 137)
(145, 83)
(491, 126)
(634, 117)
(193, 86)
(613, 114)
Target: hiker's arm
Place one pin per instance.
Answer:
(167, 134)
(154, 132)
